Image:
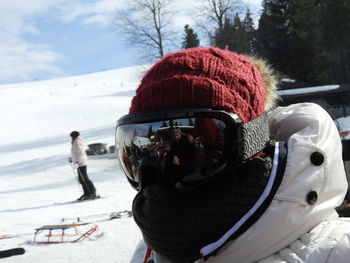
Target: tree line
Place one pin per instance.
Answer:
(307, 40)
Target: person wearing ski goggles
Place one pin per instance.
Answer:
(222, 175)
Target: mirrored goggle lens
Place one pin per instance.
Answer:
(185, 151)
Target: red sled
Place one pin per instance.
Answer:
(57, 234)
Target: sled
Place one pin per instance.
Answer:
(57, 234)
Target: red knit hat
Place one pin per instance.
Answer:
(207, 78)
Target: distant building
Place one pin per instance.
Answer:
(335, 99)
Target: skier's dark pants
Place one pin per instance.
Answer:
(88, 186)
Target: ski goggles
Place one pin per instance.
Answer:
(186, 147)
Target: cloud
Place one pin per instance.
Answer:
(252, 2)
(21, 55)
(97, 19)
(21, 59)
(185, 10)
(31, 30)
(97, 12)
(103, 11)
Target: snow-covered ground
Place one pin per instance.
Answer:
(36, 119)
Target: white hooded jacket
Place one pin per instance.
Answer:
(293, 228)
(78, 152)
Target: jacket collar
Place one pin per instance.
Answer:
(307, 128)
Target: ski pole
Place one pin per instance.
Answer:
(76, 176)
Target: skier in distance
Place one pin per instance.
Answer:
(79, 161)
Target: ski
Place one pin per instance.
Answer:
(79, 201)
(89, 219)
(5, 236)
(14, 235)
(11, 252)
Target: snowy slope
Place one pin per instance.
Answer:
(36, 119)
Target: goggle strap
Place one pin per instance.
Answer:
(255, 136)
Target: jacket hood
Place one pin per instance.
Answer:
(314, 183)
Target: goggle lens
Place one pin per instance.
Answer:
(184, 151)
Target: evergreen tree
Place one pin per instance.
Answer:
(336, 27)
(240, 40)
(224, 36)
(273, 33)
(190, 39)
(307, 39)
(150, 132)
(306, 43)
(164, 124)
(233, 36)
(249, 31)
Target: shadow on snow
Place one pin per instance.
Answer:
(50, 141)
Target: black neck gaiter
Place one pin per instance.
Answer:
(178, 224)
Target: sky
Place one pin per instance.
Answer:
(46, 39)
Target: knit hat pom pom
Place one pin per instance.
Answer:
(269, 81)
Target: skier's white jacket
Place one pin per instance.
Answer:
(300, 225)
(78, 152)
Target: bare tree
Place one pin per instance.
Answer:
(216, 11)
(147, 26)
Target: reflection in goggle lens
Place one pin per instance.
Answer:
(187, 150)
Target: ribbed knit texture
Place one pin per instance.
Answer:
(177, 225)
(203, 78)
